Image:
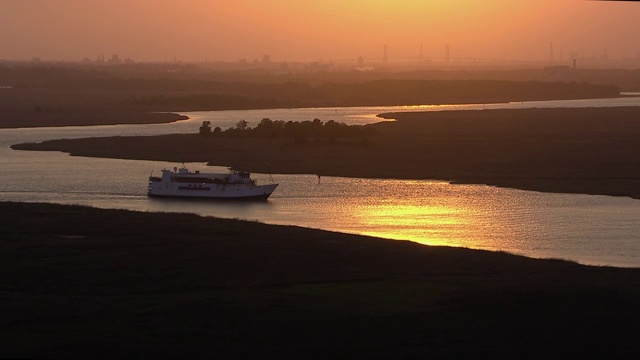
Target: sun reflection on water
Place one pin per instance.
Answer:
(432, 225)
(428, 212)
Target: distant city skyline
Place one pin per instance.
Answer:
(325, 31)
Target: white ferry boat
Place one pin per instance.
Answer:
(183, 183)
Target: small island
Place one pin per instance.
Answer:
(581, 150)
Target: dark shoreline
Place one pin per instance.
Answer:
(86, 117)
(83, 282)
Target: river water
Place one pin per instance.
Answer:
(595, 230)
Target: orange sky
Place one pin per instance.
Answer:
(325, 30)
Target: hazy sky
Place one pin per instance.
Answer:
(318, 30)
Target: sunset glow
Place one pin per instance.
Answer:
(287, 30)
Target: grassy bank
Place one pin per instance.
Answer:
(82, 282)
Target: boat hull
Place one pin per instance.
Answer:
(212, 191)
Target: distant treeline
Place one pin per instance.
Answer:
(175, 92)
(298, 130)
(181, 75)
(379, 92)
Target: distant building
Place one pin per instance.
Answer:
(115, 59)
(384, 55)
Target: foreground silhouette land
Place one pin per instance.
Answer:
(91, 283)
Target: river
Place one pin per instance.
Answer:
(595, 230)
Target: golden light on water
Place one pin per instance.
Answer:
(429, 225)
(439, 214)
(430, 213)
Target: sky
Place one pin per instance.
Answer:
(321, 30)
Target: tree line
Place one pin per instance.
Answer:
(380, 92)
(300, 131)
(197, 91)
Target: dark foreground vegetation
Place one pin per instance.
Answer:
(88, 283)
(583, 150)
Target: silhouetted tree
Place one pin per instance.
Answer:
(205, 129)
(242, 125)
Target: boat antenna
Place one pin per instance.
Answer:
(269, 172)
(181, 160)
